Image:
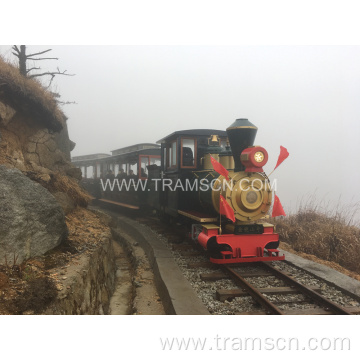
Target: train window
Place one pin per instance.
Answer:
(173, 154)
(188, 155)
(144, 166)
(90, 172)
(165, 163)
(223, 143)
(133, 167)
(155, 161)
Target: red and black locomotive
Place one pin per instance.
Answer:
(212, 179)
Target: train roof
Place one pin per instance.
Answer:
(128, 153)
(135, 153)
(89, 157)
(193, 132)
(134, 148)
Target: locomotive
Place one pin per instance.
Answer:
(226, 208)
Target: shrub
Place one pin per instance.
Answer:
(330, 233)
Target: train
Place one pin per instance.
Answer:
(211, 180)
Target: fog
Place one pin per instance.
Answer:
(305, 98)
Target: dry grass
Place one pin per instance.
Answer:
(30, 95)
(65, 184)
(329, 233)
(71, 187)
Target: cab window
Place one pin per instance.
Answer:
(172, 155)
(188, 152)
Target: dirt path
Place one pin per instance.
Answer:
(135, 292)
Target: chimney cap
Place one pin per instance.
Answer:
(241, 124)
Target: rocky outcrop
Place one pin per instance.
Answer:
(6, 113)
(31, 220)
(29, 146)
(33, 139)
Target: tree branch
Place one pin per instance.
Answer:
(66, 102)
(39, 53)
(33, 68)
(52, 78)
(16, 49)
(51, 74)
(29, 58)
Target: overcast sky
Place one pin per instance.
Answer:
(305, 98)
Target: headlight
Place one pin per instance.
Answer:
(259, 156)
(254, 158)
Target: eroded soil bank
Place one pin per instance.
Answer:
(92, 272)
(77, 277)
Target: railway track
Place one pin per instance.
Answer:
(299, 299)
(251, 288)
(323, 306)
(287, 296)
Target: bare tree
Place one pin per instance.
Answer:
(23, 58)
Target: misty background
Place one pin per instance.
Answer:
(305, 98)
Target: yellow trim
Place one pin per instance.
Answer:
(210, 226)
(267, 225)
(241, 127)
(199, 219)
(244, 211)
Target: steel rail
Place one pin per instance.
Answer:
(272, 308)
(336, 309)
(261, 299)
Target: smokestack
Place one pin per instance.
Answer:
(241, 135)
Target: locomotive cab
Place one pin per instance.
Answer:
(183, 154)
(196, 189)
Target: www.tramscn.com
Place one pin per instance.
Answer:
(227, 343)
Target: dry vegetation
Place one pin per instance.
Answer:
(330, 235)
(28, 288)
(62, 183)
(71, 187)
(30, 95)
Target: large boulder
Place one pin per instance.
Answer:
(31, 220)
